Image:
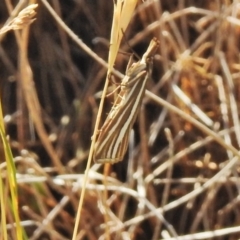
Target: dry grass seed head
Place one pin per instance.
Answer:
(23, 19)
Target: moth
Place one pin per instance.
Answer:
(112, 141)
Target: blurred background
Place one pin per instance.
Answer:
(50, 92)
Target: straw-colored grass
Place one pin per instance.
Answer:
(179, 178)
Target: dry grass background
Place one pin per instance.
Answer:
(178, 178)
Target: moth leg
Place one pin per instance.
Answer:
(131, 82)
(112, 92)
(130, 63)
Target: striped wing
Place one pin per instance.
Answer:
(113, 138)
(112, 141)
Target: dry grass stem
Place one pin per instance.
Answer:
(179, 178)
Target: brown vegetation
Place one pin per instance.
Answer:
(180, 175)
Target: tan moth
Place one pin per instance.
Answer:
(112, 141)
